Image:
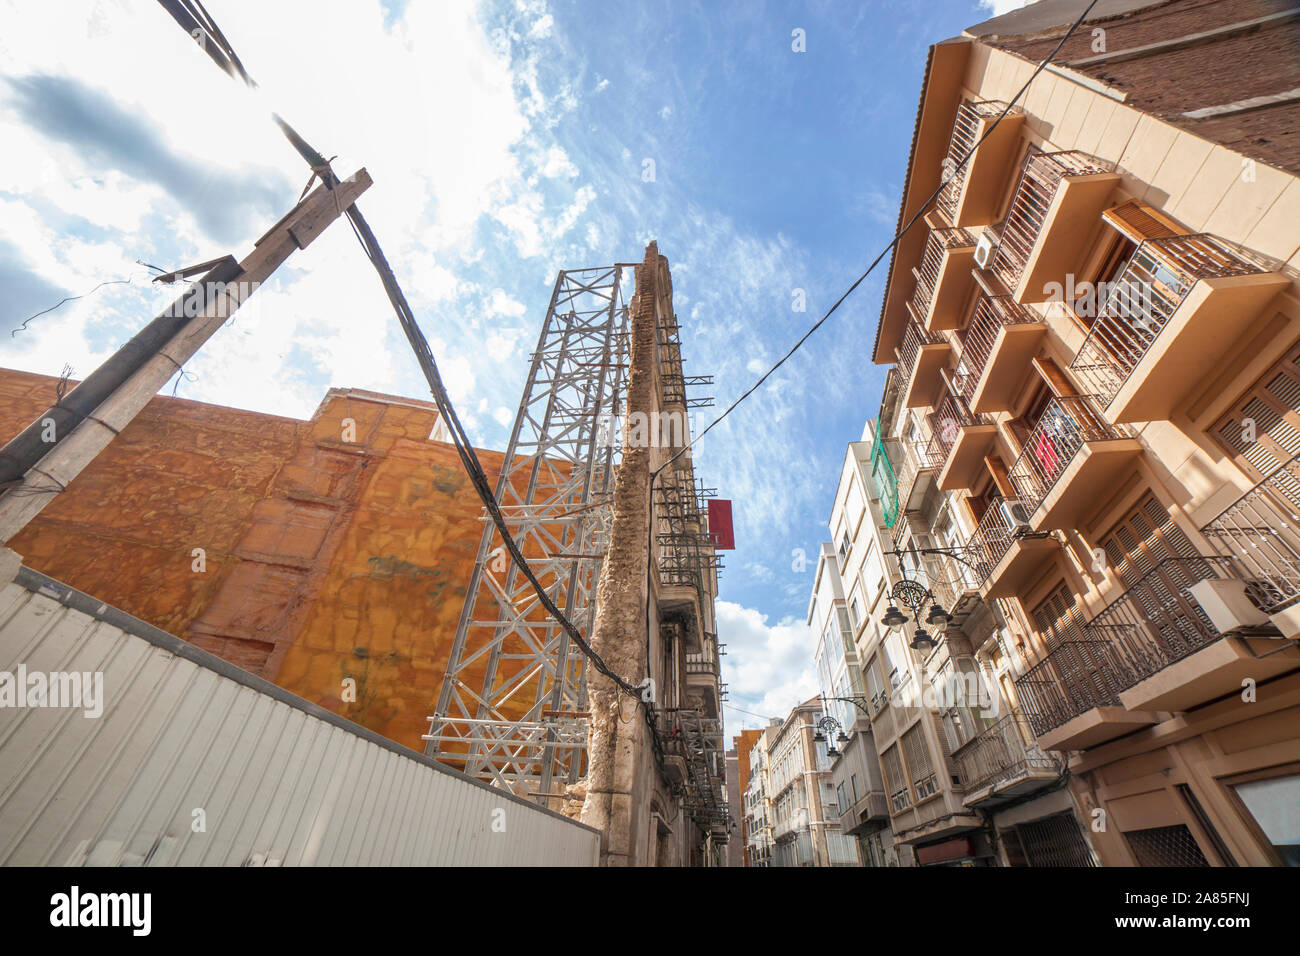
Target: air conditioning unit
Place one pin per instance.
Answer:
(1227, 605)
(985, 246)
(1017, 515)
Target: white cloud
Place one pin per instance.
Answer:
(998, 7)
(768, 667)
(502, 303)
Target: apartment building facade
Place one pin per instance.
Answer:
(964, 783)
(759, 840)
(855, 765)
(805, 823)
(1096, 350)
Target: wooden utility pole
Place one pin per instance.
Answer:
(54, 449)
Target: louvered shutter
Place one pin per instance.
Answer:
(1137, 221)
(1157, 563)
(1273, 405)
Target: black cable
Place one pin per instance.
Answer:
(195, 20)
(71, 298)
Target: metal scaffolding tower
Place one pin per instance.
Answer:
(513, 703)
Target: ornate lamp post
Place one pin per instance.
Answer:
(915, 596)
(826, 726)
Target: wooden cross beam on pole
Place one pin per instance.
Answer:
(42, 460)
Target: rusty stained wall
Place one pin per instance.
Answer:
(325, 559)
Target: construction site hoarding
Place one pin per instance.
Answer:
(123, 745)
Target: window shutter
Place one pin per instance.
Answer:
(1272, 405)
(1137, 221)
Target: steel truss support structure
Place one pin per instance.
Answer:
(513, 704)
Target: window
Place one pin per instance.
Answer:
(1269, 414)
(1272, 803)
(845, 544)
(1058, 619)
(892, 765)
(1166, 846)
(924, 783)
(855, 612)
(1142, 539)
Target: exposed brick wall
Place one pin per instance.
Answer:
(1170, 83)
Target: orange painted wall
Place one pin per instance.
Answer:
(325, 558)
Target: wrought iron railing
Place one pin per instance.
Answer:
(936, 246)
(1261, 532)
(913, 461)
(996, 532)
(946, 423)
(1157, 622)
(992, 313)
(1040, 176)
(1067, 423)
(915, 336)
(1136, 307)
(1004, 751)
(1078, 674)
(965, 131)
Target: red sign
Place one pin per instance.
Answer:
(724, 538)
(954, 849)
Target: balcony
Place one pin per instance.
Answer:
(1003, 762)
(1071, 697)
(1001, 340)
(1071, 460)
(916, 467)
(920, 358)
(943, 279)
(960, 442)
(1006, 553)
(1169, 654)
(970, 197)
(1260, 532)
(1058, 202)
(1165, 323)
(870, 807)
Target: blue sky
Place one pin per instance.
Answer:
(506, 140)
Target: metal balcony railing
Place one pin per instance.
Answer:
(1002, 752)
(701, 664)
(1067, 423)
(992, 313)
(1136, 307)
(1261, 532)
(1153, 624)
(965, 131)
(927, 273)
(1078, 674)
(915, 336)
(1040, 176)
(1157, 622)
(913, 462)
(995, 533)
(946, 423)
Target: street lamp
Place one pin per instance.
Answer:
(915, 596)
(826, 726)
